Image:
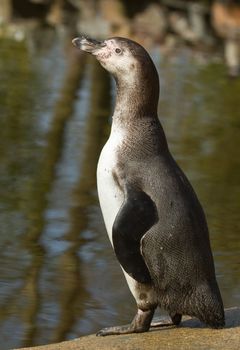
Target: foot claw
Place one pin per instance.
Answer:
(101, 333)
(115, 330)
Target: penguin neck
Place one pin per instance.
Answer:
(136, 98)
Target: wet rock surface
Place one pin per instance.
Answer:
(190, 335)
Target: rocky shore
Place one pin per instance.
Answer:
(191, 335)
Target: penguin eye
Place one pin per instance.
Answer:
(118, 51)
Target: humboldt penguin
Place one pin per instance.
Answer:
(153, 217)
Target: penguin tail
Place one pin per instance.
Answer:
(209, 306)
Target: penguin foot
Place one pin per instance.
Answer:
(116, 330)
(141, 323)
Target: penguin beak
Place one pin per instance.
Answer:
(87, 44)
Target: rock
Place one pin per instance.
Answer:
(55, 14)
(113, 13)
(5, 11)
(179, 23)
(191, 24)
(102, 19)
(191, 335)
(197, 20)
(226, 22)
(91, 21)
(152, 22)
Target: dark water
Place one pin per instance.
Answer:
(58, 276)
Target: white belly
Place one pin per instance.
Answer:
(110, 196)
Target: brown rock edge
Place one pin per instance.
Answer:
(191, 335)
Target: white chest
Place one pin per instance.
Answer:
(110, 196)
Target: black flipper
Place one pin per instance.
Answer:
(136, 216)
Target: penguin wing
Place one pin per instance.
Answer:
(136, 216)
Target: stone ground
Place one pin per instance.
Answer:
(191, 335)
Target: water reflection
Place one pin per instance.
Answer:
(59, 278)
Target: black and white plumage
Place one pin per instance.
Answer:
(152, 215)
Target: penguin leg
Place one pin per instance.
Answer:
(141, 323)
(175, 321)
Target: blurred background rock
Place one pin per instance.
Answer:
(204, 24)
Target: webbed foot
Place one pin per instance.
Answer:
(116, 330)
(141, 323)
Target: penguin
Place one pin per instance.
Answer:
(152, 215)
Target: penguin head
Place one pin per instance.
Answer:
(123, 58)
